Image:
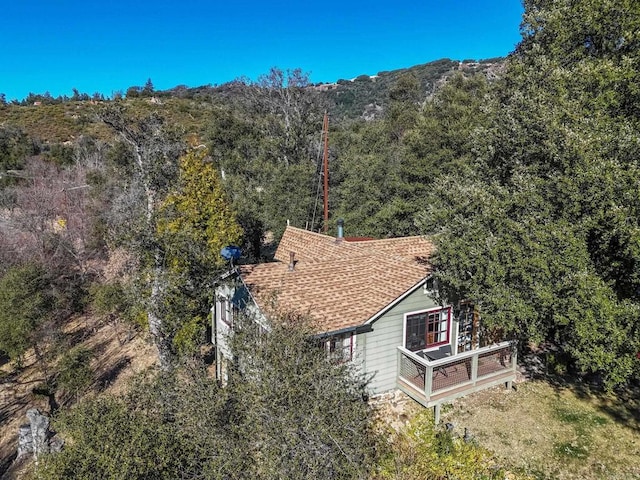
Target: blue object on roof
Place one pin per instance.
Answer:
(231, 252)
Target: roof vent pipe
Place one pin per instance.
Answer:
(292, 261)
(340, 230)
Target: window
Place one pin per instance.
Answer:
(427, 329)
(467, 326)
(339, 348)
(225, 311)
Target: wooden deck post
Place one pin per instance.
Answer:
(514, 366)
(428, 381)
(473, 376)
(436, 413)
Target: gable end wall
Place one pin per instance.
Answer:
(377, 349)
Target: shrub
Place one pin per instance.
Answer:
(74, 371)
(423, 451)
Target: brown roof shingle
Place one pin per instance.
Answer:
(339, 284)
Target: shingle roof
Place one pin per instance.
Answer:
(339, 284)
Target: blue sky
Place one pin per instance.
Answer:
(58, 45)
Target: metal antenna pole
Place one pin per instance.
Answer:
(325, 127)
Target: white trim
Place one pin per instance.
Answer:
(344, 342)
(353, 345)
(431, 291)
(448, 307)
(223, 302)
(389, 306)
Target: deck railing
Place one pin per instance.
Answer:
(434, 382)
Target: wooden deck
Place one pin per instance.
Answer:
(432, 383)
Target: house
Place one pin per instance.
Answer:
(374, 302)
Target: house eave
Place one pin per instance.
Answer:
(399, 299)
(336, 332)
(225, 275)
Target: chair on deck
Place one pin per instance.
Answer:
(442, 352)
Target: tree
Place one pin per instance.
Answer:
(292, 108)
(26, 301)
(15, 147)
(287, 412)
(177, 221)
(74, 371)
(49, 218)
(197, 218)
(268, 148)
(542, 229)
(112, 301)
(303, 415)
(441, 139)
(115, 441)
(404, 98)
(176, 424)
(148, 89)
(196, 221)
(155, 151)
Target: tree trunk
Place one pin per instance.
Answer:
(160, 339)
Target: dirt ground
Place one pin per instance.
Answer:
(113, 365)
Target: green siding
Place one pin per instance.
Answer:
(378, 348)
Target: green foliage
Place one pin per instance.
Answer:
(402, 112)
(74, 371)
(385, 170)
(108, 298)
(288, 412)
(441, 140)
(148, 89)
(155, 150)
(267, 148)
(351, 98)
(195, 222)
(197, 218)
(116, 301)
(423, 451)
(111, 440)
(540, 226)
(26, 301)
(15, 147)
(60, 154)
(189, 337)
(305, 416)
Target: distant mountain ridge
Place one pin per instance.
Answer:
(57, 120)
(366, 96)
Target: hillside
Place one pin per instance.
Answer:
(113, 364)
(54, 120)
(358, 97)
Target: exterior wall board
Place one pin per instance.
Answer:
(239, 297)
(380, 345)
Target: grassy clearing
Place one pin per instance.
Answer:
(556, 431)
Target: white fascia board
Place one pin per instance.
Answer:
(396, 301)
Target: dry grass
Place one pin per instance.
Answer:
(113, 365)
(558, 431)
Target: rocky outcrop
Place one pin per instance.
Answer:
(36, 437)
